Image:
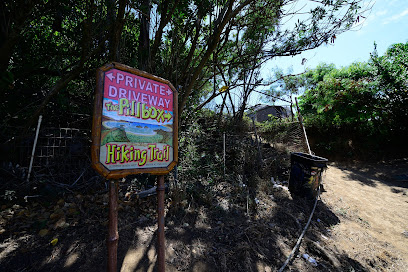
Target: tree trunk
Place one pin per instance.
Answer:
(144, 49)
(116, 31)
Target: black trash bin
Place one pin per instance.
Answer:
(305, 174)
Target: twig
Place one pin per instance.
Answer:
(333, 260)
(301, 236)
(73, 184)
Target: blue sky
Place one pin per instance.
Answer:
(386, 24)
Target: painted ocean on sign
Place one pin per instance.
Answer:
(135, 132)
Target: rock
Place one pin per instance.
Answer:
(21, 213)
(55, 216)
(72, 211)
(60, 223)
(43, 232)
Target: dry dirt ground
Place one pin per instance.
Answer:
(360, 224)
(372, 204)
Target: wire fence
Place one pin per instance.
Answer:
(62, 154)
(61, 157)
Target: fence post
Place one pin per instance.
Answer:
(224, 152)
(303, 128)
(35, 144)
(257, 142)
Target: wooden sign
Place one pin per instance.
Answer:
(135, 123)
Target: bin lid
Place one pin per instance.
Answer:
(311, 160)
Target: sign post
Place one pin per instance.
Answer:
(113, 235)
(134, 130)
(160, 224)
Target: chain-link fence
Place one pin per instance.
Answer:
(61, 155)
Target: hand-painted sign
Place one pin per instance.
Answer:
(135, 123)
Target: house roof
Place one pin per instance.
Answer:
(259, 107)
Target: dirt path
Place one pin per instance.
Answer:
(372, 205)
(362, 222)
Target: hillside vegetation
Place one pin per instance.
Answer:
(359, 111)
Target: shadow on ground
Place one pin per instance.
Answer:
(219, 234)
(391, 173)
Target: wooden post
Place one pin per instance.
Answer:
(257, 143)
(113, 235)
(160, 224)
(224, 151)
(303, 128)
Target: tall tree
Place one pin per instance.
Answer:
(391, 72)
(51, 48)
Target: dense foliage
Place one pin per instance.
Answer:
(365, 101)
(391, 74)
(344, 97)
(368, 96)
(49, 50)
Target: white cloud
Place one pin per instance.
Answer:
(381, 13)
(396, 17)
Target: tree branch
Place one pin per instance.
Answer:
(212, 44)
(164, 20)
